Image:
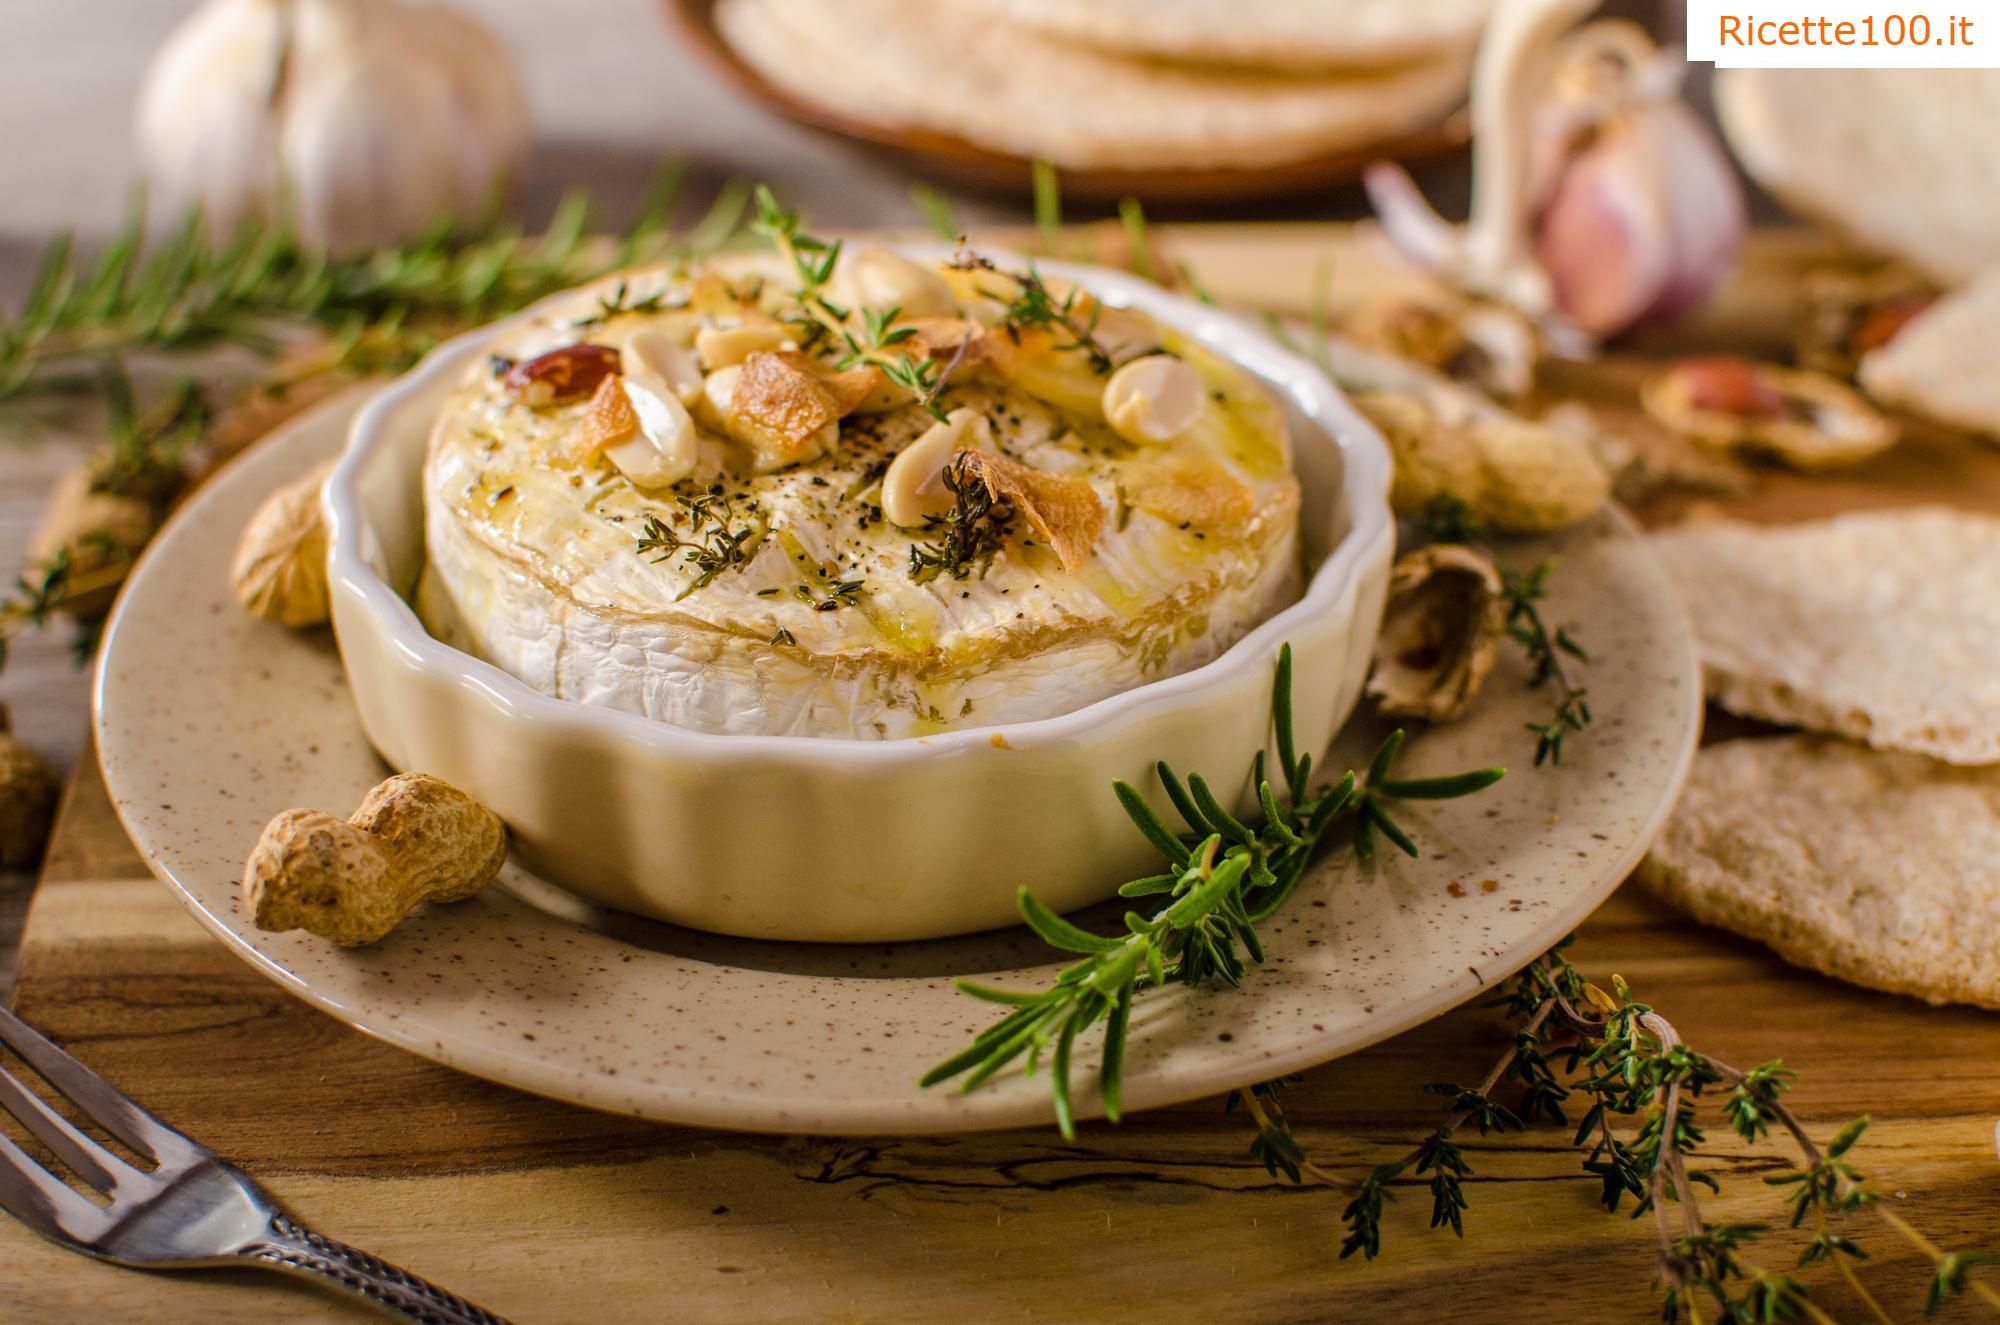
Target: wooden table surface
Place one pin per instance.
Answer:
(547, 1212)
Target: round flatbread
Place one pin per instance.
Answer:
(1904, 161)
(1876, 868)
(1882, 626)
(928, 66)
(1941, 365)
(1276, 34)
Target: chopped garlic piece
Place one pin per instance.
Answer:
(1154, 399)
(913, 487)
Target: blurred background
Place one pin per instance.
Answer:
(615, 90)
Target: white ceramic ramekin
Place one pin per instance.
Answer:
(786, 837)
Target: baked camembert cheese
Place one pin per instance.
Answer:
(852, 495)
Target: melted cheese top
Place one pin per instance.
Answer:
(798, 563)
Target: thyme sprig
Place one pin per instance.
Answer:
(1031, 303)
(1551, 652)
(1631, 1066)
(1222, 878)
(714, 542)
(38, 592)
(969, 535)
(851, 338)
(1549, 655)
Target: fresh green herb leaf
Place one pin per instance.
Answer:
(1220, 884)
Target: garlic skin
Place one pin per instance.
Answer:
(1441, 633)
(361, 121)
(1601, 203)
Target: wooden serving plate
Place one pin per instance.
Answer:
(949, 159)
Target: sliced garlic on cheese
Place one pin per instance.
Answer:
(725, 347)
(1122, 334)
(1153, 400)
(662, 452)
(883, 282)
(718, 397)
(913, 487)
(652, 352)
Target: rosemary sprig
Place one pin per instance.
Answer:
(969, 535)
(1630, 1063)
(194, 292)
(1222, 878)
(147, 448)
(712, 545)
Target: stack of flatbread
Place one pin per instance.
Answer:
(1871, 851)
(1135, 85)
(1903, 162)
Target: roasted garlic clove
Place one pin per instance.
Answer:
(1440, 633)
(718, 397)
(657, 449)
(885, 282)
(785, 408)
(913, 487)
(652, 353)
(1805, 420)
(725, 347)
(279, 573)
(1154, 399)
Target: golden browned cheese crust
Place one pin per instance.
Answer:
(765, 594)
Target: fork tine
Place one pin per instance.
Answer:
(41, 1200)
(93, 1094)
(85, 1157)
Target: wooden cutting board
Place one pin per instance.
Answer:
(545, 1212)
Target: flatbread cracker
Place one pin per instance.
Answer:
(929, 66)
(1876, 868)
(1941, 365)
(1277, 34)
(1903, 161)
(1882, 626)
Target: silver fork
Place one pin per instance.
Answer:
(194, 1211)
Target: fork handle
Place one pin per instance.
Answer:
(294, 1248)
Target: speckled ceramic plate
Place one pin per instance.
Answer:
(209, 723)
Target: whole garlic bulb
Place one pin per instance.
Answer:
(1601, 203)
(362, 121)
